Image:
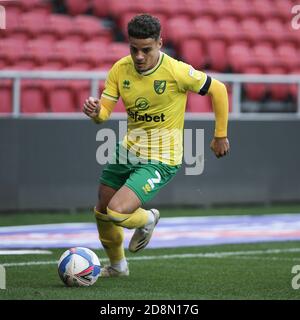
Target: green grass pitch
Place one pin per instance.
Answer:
(248, 271)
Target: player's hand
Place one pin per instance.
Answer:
(91, 107)
(220, 146)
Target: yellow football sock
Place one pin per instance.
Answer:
(134, 220)
(111, 237)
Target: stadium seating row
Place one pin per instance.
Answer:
(69, 96)
(192, 8)
(215, 55)
(169, 8)
(46, 95)
(175, 28)
(59, 54)
(55, 26)
(238, 57)
(219, 35)
(230, 29)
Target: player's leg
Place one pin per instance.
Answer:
(125, 210)
(110, 235)
(143, 184)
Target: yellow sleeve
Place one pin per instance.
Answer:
(109, 96)
(111, 89)
(218, 93)
(106, 108)
(189, 79)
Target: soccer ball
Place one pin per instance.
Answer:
(79, 267)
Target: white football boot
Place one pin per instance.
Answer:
(109, 271)
(142, 236)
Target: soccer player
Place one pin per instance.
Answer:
(153, 87)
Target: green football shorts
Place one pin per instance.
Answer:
(144, 179)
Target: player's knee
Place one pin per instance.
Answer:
(117, 206)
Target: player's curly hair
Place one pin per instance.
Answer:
(144, 26)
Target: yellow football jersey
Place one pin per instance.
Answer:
(155, 102)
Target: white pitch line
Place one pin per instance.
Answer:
(21, 252)
(178, 256)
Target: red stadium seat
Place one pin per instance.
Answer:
(5, 96)
(60, 25)
(144, 6)
(75, 7)
(240, 9)
(206, 29)
(240, 56)
(265, 55)
(277, 31)
(37, 5)
(283, 8)
(289, 56)
(33, 97)
(61, 97)
(53, 65)
(217, 8)
(66, 52)
(119, 107)
(178, 29)
(191, 52)
(3, 64)
(12, 21)
(192, 8)
(27, 64)
(80, 88)
(92, 53)
(198, 103)
(217, 55)
(34, 23)
(278, 91)
(89, 27)
(253, 30)
(81, 91)
(40, 50)
(118, 8)
(264, 9)
(100, 8)
(230, 29)
(171, 8)
(11, 50)
(115, 51)
(253, 91)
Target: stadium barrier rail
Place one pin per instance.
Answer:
(236, 80)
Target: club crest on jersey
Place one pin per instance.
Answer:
(160, 86)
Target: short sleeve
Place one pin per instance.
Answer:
(190, 79)
(111, 90)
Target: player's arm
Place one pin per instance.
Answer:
(98, 110)
(189, 79)
(218, 93)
